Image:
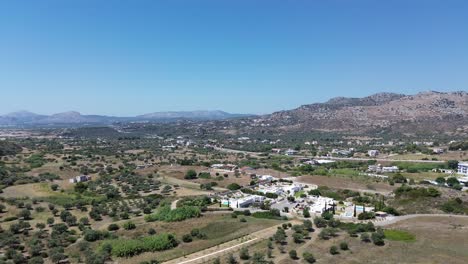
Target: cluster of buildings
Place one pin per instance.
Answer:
(280, 188)
(382, 169)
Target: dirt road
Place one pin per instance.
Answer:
(224, 249)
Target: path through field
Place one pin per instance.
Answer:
(229, 247)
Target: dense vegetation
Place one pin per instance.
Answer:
(179, 214)
(131, 247)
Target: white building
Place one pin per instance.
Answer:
(379, 169)
(463, 168)
(291, 152)
(266, 178)
(319, 203)
(242, 202)
(390, 169)
(373, 153)
(438, 150)
(81, 178)
(224, 167)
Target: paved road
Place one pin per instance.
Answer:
(330, 158)
(377, 159)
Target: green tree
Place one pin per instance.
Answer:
(334, 250)
(244, 254)
(293, 254)
(190, 175)
(308, 257)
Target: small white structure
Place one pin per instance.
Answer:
(390, 169)
(438, 150)
(268, 178)
(291, 152)
(463, 168)
(224, 167)
(323, 161)
(373, 153)
(81, 178)
(379, 169)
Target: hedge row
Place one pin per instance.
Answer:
(131, 247)
(179, 214)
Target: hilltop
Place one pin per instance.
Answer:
(424, 112)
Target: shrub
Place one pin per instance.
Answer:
(293, 254)
(366, 215)
(233, 186)
(378, 237)
(244, 254)
(334, 250)
(190, 175)
(129, 225)
(344, 246)
(308, 257)
(187, 238)
(113, 227)
(365, 237)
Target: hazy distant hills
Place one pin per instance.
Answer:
(427, 112)
(23, 118)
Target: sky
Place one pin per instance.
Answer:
(245, 56)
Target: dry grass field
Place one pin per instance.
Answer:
(438, 240)
(347, 183)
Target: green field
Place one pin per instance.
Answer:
(399, 235)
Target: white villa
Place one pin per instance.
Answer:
(463, 168)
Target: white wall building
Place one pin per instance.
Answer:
(81, 178)
(463, 168)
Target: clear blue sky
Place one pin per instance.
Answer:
(246, 56)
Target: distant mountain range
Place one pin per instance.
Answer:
(423, 113)
(426, 112)
(25, 118)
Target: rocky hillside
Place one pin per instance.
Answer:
(421, 113)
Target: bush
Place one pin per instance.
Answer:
(187, 238)
(244, 254)
(233, 186)
(190, 175)
(365, 237)
(344, 246)
(308, 257)
(378, 237)
(366, 215)
(455, 206)
(334, 250)
(129, 225)
(293, 254)
(113, 227)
